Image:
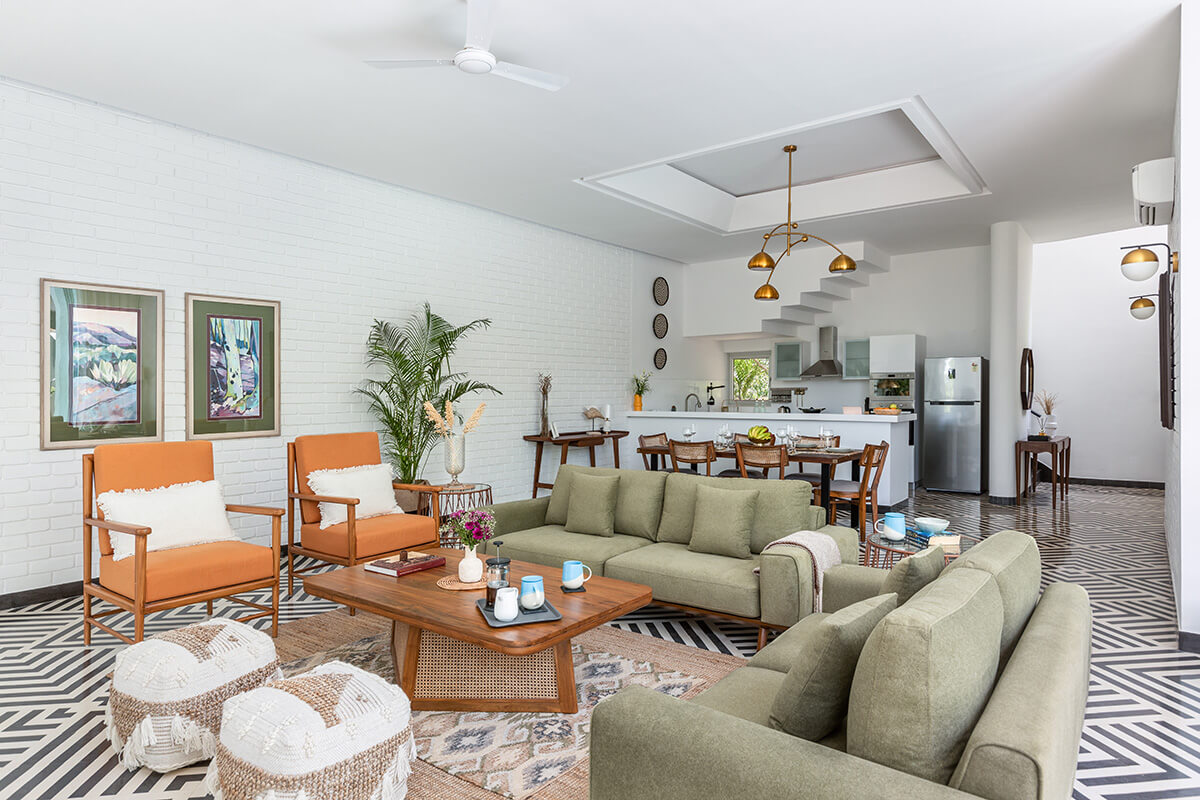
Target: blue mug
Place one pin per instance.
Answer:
(893, 526)
(533, 592)
(573, 574)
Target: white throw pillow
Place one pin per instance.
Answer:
(179, 515)
(370, 483)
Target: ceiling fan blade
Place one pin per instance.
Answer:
(410, 63)
(533, 77)
(481, 19)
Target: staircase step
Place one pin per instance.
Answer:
(815, 301)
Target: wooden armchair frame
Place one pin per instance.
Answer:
(873, 458)
(137, 605)
(352, 540)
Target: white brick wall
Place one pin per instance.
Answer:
(92, 194)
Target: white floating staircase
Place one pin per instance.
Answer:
(797, 312)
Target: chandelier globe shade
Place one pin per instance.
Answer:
(766, 292)
(1142, 308)
(1139, 265)
(761, 261)
(842, 263)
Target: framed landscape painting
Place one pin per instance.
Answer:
(232, 367)
(102, 364)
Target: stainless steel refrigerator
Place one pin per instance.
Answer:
(955, 417)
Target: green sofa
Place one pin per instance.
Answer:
(654, 516)
(975, 687)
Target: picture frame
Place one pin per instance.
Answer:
(242, 402)
(101, 362)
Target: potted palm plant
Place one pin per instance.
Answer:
(415, 363)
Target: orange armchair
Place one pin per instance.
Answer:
(353, 541)
(163, 579)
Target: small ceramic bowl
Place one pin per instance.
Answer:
(932, 525)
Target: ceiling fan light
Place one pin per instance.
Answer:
(761, 260)
(843, 263)
(1139, 265)
(766, 292)
(1142, 308)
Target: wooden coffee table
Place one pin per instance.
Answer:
(448, 658)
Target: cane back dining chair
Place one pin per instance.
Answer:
(736, 470)
(355, 540)
(812, 477)
(761, 459)
(692, 453)
(653, 440)
(862, 491)
(157, 580)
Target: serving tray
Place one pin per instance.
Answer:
(547, 613)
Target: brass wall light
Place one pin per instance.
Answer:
(762, 260)
(1141, 264)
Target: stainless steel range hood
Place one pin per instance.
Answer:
(826, 365)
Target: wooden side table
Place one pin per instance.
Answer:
(589, 439)
(1059, 448)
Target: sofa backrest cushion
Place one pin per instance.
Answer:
(593, 504)
(925, 674)
(814, 696)
(723, 521)
(1027, 741)
(639, 498)
(913, 573)
(783, 507)
(1012, 558)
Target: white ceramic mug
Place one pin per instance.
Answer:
(573, 574)
(506, 604)
(893, 525)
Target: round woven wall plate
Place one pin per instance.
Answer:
(453, 584)
(660, 358)
(660, 325)
(662, 292)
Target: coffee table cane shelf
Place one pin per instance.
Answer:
(448, 659)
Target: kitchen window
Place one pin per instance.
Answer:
(749, 377)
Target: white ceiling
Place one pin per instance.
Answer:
(1051, 102)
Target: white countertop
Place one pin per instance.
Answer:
(889, 419)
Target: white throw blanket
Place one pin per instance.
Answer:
(822, 551)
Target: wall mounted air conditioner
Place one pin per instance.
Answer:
(1154, 191)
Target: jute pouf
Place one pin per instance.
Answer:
(164, 703)
(334, 733)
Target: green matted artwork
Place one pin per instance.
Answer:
(102, 364)
(232, 367)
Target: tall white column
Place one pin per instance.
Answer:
(1011, 287)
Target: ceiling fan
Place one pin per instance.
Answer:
(476, 59)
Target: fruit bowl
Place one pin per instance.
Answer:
(759, 434)
(932, 525)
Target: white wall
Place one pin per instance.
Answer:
(1101, 362)
(92, 194)
(1010, 293)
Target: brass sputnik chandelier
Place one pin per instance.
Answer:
(762, 259)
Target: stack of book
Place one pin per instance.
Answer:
(951, 543)
(405, 563)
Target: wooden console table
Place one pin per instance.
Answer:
(1027, 452)
(589, 439)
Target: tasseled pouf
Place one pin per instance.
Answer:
(334, 733)
(164, 703)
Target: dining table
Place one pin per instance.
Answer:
(826, 457)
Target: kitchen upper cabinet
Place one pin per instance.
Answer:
(856, 360)
(897, 353)
(788, 360)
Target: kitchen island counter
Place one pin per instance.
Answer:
(776, 418)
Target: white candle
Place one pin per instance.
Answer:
(607, 411)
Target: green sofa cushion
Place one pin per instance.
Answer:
(551, 545)
(784, 649)
(846, 584)
(593, 504)
(913, 573)
(812, 702)
(723, 521)
(1012, 558)
(925, 674)
(702, 580)
(639, 498)
(783, 507)
(746, 693)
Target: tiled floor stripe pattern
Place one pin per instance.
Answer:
(1141, 739)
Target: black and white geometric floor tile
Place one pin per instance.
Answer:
(1141, 738)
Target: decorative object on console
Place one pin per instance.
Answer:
(101, 364)
(763, 261)
(327, 750)
(1047, 421)
(472, 527)
(232, 348)
(455, 443)
(641, 385)
(544, 382)
(415, 357)
(661, 291)
(165, 697)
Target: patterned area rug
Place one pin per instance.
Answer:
(472, 754)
